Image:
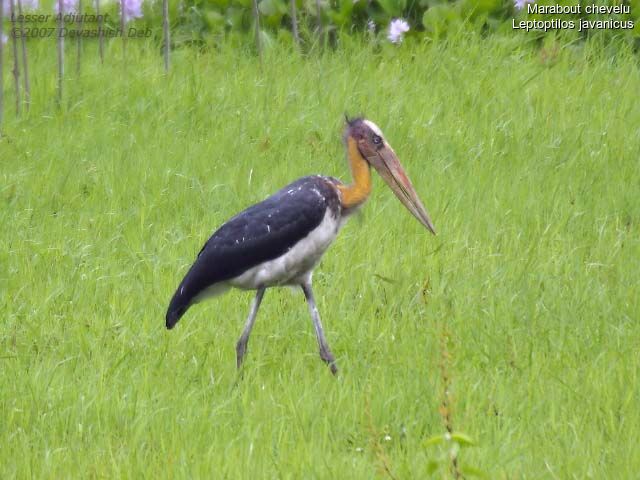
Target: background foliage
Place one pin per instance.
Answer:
(208, 21)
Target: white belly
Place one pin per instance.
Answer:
(294, 265)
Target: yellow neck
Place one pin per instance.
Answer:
(356, 193)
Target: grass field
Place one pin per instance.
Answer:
(527, 301)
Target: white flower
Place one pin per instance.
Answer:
(397, 29)
(29, 4)
(371, 26)
(519, 4)
(26, 5)
(68, 6)
(132, 9)
(5, 39)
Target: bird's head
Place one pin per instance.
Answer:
(375, 150)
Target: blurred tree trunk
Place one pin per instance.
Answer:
(167, 33)
(25, 63)
(256, 18)
(79, 43)
(1, 63)
(100, 36)
(124, 37)
(320, 26)
(60, 52)
(16, 64)
(294, 23)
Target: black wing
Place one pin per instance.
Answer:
(260, 233)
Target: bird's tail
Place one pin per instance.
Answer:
(177, 307)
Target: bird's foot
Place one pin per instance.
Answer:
(327, 357)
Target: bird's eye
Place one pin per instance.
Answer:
(377, 139)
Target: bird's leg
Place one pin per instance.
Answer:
(241, 346)
(325, 352)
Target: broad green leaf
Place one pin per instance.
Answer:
(437, 20)
(431, 3)
(272, 7)
(473, 8)
(435, 440)
(393, 8)
(214, 19)
(342, 16)
(242, 3)
(462, 439)
(216, 4)
(235, 18)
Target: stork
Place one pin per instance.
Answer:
(280, 240)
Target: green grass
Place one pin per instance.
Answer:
(530, 171)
